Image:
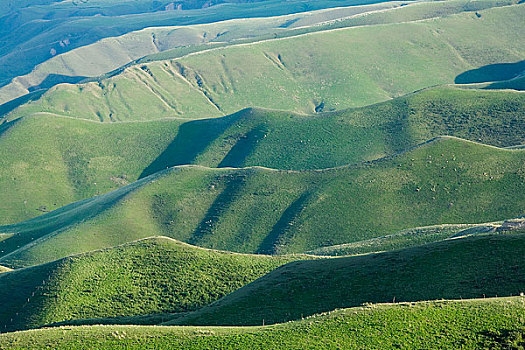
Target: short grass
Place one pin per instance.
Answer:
(155, 275)
(76, 159)
(302, 73)
(475, 324)
(446, 180)
(474, 267)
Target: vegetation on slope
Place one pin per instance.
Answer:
(155, 275)
(446, 180)
(475, 324)
(301, 73)
(462, 268)
(77, 159)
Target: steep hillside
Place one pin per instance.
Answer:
(302, 73)
(75, 159)
(486, 323)
(155, 275)
(462, 268)
(446, 180)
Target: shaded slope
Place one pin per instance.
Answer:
(300, 73)
(76, 159)
(155, 275)
(492, 323)
(446, 180)
(461, 268)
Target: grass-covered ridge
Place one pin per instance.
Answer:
(487, 323)
(301, 73)
(462, 268)
(270, 211)
(155, 275)
(77, 159)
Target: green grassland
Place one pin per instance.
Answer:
(471, 267)
(111, 53)
(445, 180)
(475, 324)
(302, 73)
(158, 43)
(30, 32)
(155, 275)
(77, 159)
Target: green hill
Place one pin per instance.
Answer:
(155, 275)
(475, 324)
(302, 73)
(445, 180)
(461, 268)
(108, 54)
(75, 159)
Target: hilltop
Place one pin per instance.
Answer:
(154, 275)
(260, 210)
(70, 159)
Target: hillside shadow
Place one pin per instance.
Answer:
(491, 72)
(17, 102)
(192, 139)
(55, 79)
(236, 158)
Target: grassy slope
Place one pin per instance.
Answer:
(155, 275)
(461, 268)
(298, 73)
(78, 159)
(30, 33)
(260, 210)
(111, 53)
(490, 323)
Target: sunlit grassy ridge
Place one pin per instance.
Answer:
(461, 268)
(75, 159)
(446, 180)
(490, 323)
(156, 275)
(302, 73)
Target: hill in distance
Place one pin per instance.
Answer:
(302, 73)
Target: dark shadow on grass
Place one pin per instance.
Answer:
(17, 102)
(192, 139)
(270, 244)
(55, 79)
(243, 148)
(491, 72)
(234, 185)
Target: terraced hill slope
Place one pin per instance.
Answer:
(155, 275)
(462, 268)
(78, 159)
(486, 323)
(301, 73)
(446, 180)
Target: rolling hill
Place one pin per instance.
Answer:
(494, 323)
(461, 268)
(155, 275)
(77, 159)
(446, 180)
(301, 73)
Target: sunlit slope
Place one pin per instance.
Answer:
(491, 323)
(157, 43)
(70, 159)
(259, 210)
(461, 268)
(302, 73)
(155, 275)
